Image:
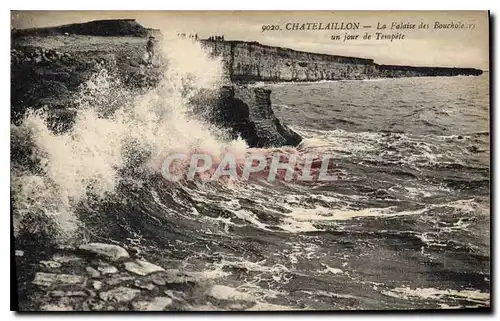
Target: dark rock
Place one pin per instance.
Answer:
(44, 77)
(247, 113)
(259, 126)
(473, 149)
(234, 114)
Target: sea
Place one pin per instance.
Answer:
(406, 224)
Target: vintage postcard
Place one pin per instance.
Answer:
(250, 160)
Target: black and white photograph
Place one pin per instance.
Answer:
(250, 160)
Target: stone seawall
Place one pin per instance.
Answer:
(252, 61)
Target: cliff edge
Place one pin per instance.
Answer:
(116, 27)
(252, 61)
(247, 113)
(49, 65)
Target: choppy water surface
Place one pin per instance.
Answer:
(406, 225)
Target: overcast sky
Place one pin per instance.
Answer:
(450, 47)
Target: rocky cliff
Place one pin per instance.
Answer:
(118, 27)
(49, 68)
(49, 65)
(252, 61)
(247, 112)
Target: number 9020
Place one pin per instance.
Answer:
(270, 27)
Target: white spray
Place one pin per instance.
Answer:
(91, 154)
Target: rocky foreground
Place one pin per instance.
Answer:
(105, 277)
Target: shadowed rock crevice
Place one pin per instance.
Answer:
(247, 113)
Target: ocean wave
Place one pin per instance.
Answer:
(467, 298)
(140, 129)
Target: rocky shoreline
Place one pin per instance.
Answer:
(48, 68)
(105, 277)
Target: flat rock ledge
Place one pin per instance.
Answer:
(104, 277)
(112, 252)
(142, 267)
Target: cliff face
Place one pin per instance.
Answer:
(248, 113)
(252, 61)
(47, 71)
